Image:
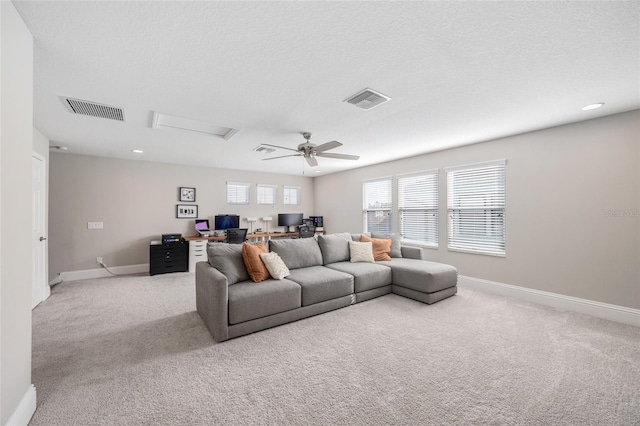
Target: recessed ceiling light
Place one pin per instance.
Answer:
(592, 106)
(137, 151)
(58, 148)
(318, 171)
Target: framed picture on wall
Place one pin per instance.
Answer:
(187, 211)
(187, 194)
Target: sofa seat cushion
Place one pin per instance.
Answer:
(249, 300)
(366, 276)
(297, 253)
(422, 275)
(320, 283)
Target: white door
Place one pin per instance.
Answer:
(39, 281)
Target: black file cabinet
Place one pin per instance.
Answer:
(171, 257)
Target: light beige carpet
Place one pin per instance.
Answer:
(133, 351)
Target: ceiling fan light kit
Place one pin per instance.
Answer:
(310, 151)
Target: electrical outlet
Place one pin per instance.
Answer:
(94, 225)
(99, 260)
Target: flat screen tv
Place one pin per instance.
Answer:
(226, 221)
(289, 219)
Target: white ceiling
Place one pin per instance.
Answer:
(457, 72)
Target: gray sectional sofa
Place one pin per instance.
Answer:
(322, 278)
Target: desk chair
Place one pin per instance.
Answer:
(236, 235)
(306, 231)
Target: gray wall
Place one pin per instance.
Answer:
(561, 184)
(16, 135)
(136, 201)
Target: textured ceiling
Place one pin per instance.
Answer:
(457, 73)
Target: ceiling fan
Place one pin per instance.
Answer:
(310, 151)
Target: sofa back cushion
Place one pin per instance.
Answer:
(298, 253)
(356, 237)
(334, 247)
(227, 258)
(396, 240)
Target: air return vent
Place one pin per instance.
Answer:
(94, 109)
(367, 99)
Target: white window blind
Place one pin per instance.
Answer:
(476, 208)
(377, 205)
(266, 194)
(418, 207)
(291, 195)
(237, 193)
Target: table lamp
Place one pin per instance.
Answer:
(266, 221)
(251, 220)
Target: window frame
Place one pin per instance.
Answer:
(286, 199)
(381, 210)
(237, 186)
(428, 202)
(484, 208)
(261, 190)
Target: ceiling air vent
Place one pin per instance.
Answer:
(265, 149)
(367, 99)
(94, 109)
(186, 124)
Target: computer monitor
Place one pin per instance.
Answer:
(317, 221)
(226, 221)
(289, 219)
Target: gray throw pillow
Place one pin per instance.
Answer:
(227, 258)
(298, 253)
(334, 247)
(396, 249)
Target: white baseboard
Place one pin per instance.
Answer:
(597, 309)
(56, 280)
(25, 409)
(85, 274)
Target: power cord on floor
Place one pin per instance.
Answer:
(113, 273)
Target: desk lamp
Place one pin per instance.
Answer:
(251, 220)
(266, 221)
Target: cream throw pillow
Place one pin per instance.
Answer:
(275, 265)
(361, 252)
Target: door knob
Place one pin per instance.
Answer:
(42, 238)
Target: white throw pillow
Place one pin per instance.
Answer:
(275, 265)
(360, 252)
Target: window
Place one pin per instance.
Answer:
(418, 207)
(237, 193)
(476, 208)
(377, 205)
(266, 194)
(291, 195)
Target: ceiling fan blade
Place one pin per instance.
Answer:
(312, 161)
(327, 146)
(278, 146)
(282, 156)
(338, 156)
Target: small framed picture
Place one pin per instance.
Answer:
(186, 211)
(187, 194)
